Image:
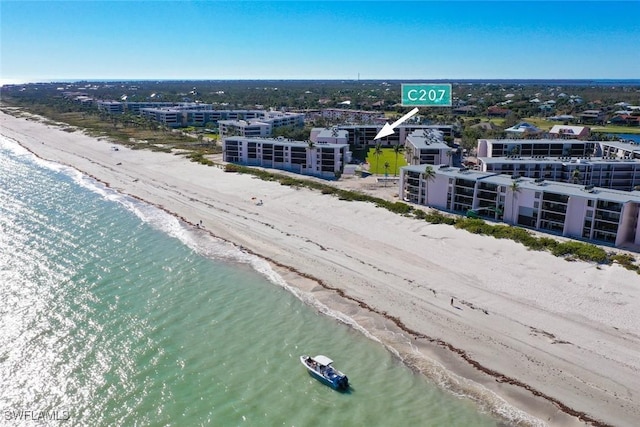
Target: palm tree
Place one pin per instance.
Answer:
(428, 175)
(386, 172)
(377, 151)
(515, 189)
(310, 145)
(397, 150)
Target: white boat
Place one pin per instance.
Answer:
(320, 368)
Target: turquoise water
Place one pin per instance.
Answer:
(114, 313)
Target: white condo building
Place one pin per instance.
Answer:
(427, 146)
(329, 135)
(588, 213)
(321, 160)
(536, 147)
(617, 174)
(260, 126)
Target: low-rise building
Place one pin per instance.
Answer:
(329, 136)
(495, 111)
(589, 213)
(360, 136)
(260, 126)
(167, 116)
(625, 120)
(427, 146)
(251, 128)
(569, 132)
(345, 115)
(321, 160)
(523, 130)
(111, 107)
(620, 150)
(617, 174)
(536, 147)
(592, 117)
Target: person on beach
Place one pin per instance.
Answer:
(452, 301)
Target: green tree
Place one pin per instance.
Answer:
(575, 176)
(398, 149)
(470, 138)
(429, 174)
(310, 146)
(515, 189)
(377, 151)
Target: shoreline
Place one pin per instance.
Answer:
(355, 272)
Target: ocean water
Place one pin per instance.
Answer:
(114, 313)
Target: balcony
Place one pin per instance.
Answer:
(487, 195)
(464, 191)
(608, 216)
(604, 236)
(609, 206)
(552, 216)
(557, 198)
(554, 207)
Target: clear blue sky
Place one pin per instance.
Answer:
(56, 40)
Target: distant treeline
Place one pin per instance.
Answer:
(313, 94)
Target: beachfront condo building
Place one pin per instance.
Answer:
(344, 115)
(618, 174)
(620, 149)
(321, 160)
(111, 107)
(329, 135)
(362, 136)
(589, 213)
(190, 115)
(260, 126)
(427, 146)
(536, 147)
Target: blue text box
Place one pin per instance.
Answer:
(426, 95)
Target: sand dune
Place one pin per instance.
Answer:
(555, 339)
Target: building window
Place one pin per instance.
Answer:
(589, 214)
(537, 196)
(536, 205)
(590, 203)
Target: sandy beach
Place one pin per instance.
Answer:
(530, 337)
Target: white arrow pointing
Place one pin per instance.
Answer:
(387, 129)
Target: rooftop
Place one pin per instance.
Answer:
(519, 141)
(559, 160)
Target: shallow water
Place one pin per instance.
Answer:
(115, 313)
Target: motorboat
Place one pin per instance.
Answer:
(320, 367)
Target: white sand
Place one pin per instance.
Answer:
(560, 336)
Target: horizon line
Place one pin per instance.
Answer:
(394, 79)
